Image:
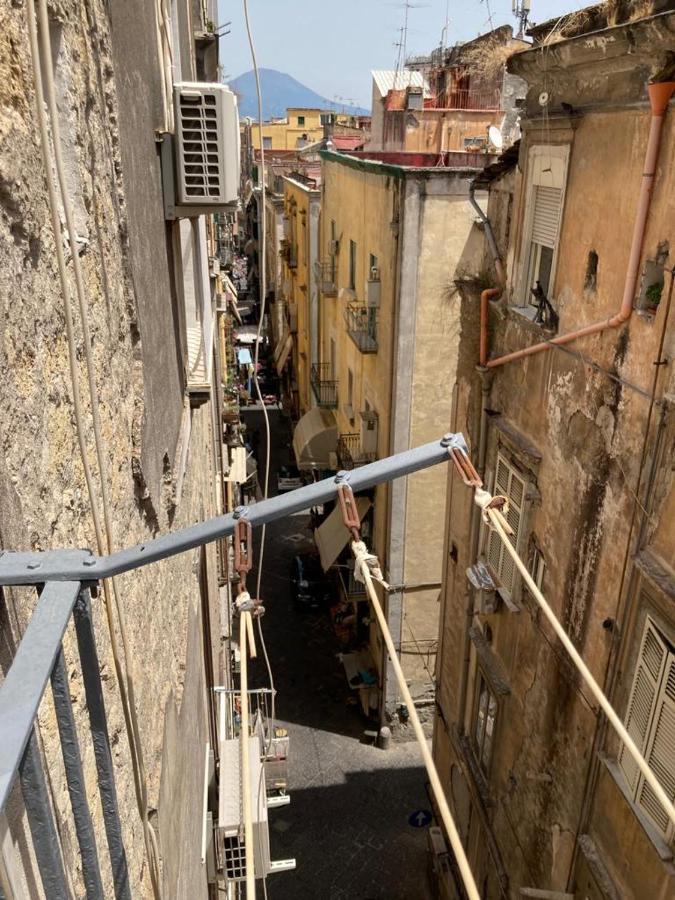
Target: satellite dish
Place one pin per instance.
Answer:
(495, 137)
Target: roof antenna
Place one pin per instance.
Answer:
(521, 10)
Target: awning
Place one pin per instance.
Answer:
(246, 336)
(331, 535)
(244, 357)
(315, 439)
(282, 352)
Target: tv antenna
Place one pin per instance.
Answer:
(402, 45)
(521, 10)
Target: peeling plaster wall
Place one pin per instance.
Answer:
(576, 434)
(113, 170)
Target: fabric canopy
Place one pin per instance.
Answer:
(331, 535)
(315, 439)
(244, 357)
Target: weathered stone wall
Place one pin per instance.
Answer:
(136, 345)
(573, 423)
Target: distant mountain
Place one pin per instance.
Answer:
(279, 91)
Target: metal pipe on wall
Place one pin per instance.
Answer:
(659, 97)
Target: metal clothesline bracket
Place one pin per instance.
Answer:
(81, 565)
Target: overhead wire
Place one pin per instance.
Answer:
(262, 247)
(104, 544)
(262, 281)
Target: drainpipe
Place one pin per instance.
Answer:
(486, 381)
(659, 97)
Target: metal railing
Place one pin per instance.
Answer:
(362, 326)
(327, 271)
(323, 386)
(39, 659)
(350, 453)
(353, 589)
(65, 578)
(461, 98)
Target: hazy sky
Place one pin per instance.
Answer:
(331, 45)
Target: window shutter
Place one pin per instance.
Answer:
(546, 215)
(643, 697)
(660, 753)
(508, 483)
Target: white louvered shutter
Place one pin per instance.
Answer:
(660, 752)
(508, 483)
(643, 697)
(546, 215)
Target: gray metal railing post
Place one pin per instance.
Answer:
(25, 683)
(41, 821)
(72, 762)
(86, 642)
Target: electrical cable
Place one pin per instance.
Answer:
(262, 228)
(126, 687)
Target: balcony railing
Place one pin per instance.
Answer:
(353, 589)
(323, 385)
(350, 453)
(328, 276)
(362, 327)
(461, 98)
(38, 660)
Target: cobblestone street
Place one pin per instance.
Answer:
(347, 823)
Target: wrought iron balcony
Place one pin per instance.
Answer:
(324, 387)
(362, 326)
(350, 453)
(353, 589)
(328, 276)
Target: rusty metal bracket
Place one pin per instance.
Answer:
(465, 467)
(350, 513)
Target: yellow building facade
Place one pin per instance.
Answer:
(301, 126)
(392, 240)
(299, 247)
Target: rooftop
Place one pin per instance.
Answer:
(391, 80)
(404, 162)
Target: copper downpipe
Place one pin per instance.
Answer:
(659, 97)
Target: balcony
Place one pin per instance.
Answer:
(328, 276)
(362, 326)
(323, 386)
(350, 452)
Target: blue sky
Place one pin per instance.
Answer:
(331, 45)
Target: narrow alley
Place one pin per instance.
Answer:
(347, 822)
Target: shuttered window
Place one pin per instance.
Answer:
(508, 483)
(650, 721)
(547, 203)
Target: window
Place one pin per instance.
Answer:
(508, 483)
(537, 567)
(485, 715)
(547, 174)
(350, 389)
(301, 121)
(267, 143)
(352, 266)
(650, 721)
(372, 264)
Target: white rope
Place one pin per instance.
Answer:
(245, 628)
(496, 523)
(363, 563)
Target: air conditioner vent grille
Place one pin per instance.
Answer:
(199, 131)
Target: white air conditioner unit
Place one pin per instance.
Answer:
(373, 288)
(230, 830)
(207, 145)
